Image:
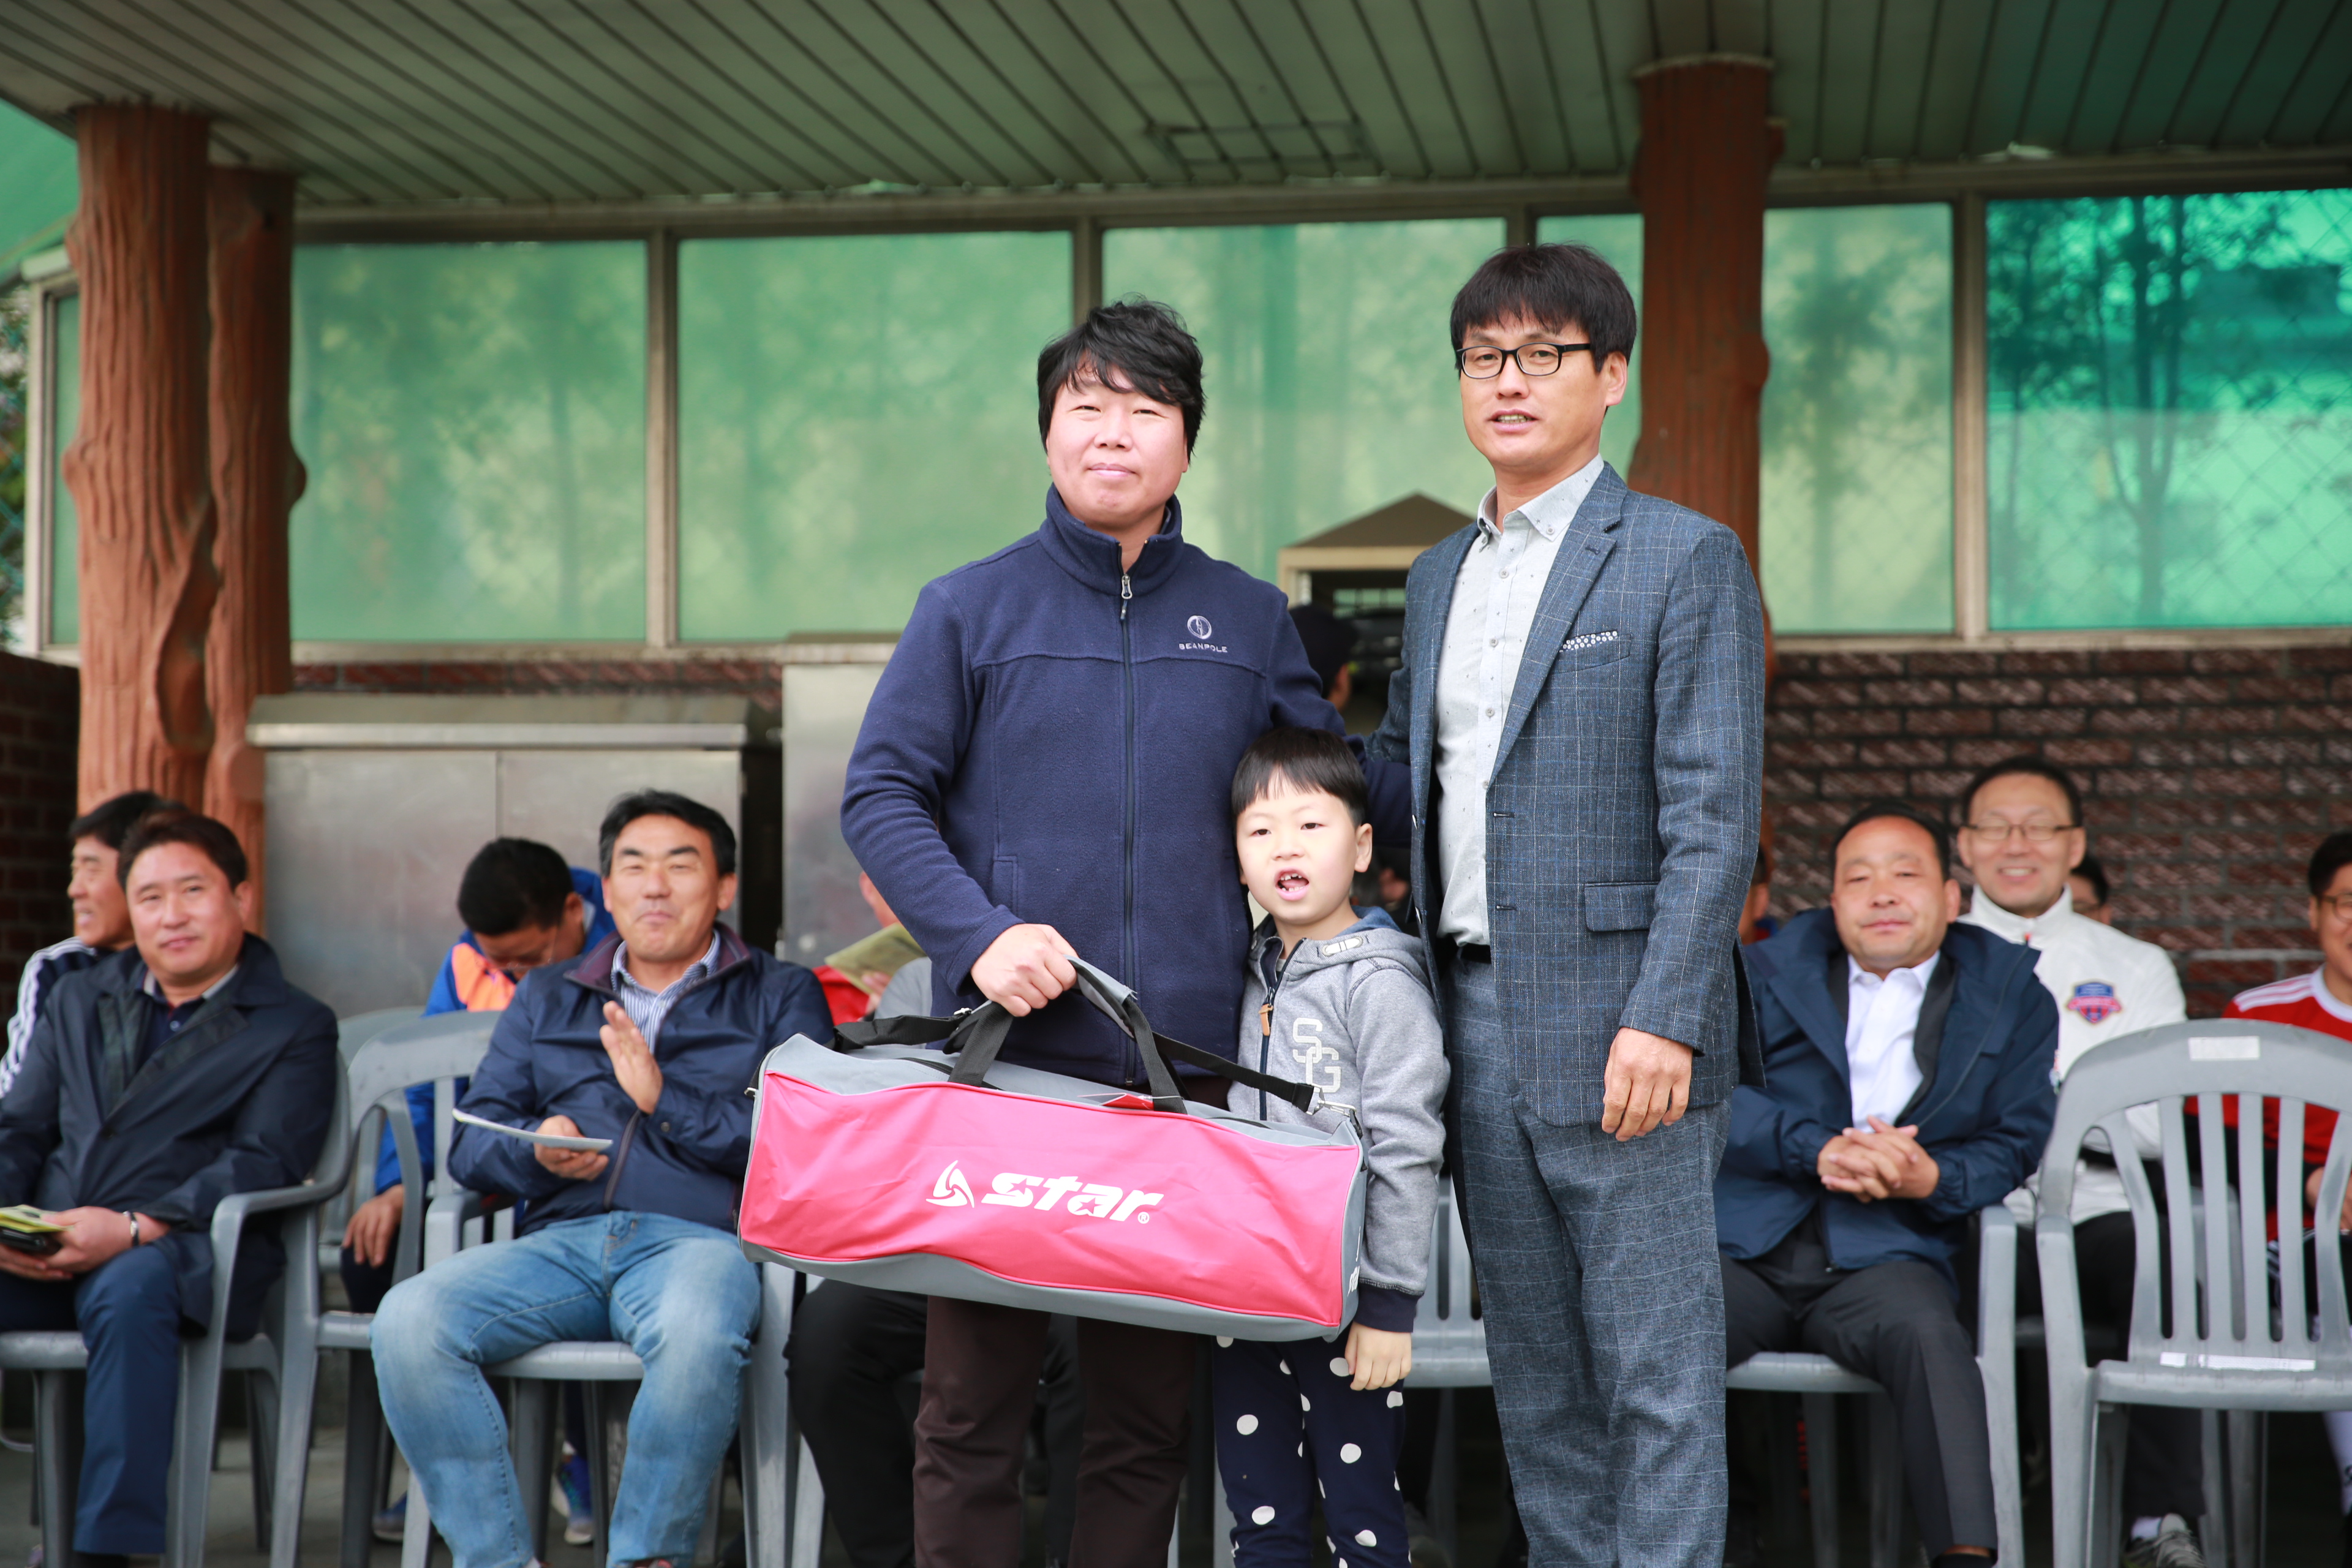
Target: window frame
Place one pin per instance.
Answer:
(1086, 217)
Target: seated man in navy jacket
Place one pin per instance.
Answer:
(1907, 1062)
(649, 1039)
(157, 1082)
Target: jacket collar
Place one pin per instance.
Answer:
(257, 983)
(1800, 965)
(594, 969)
(1092, 558)
(2018, 927)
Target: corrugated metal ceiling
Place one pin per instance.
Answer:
(399, 101)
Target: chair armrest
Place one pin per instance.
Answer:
(229, 1215)
(444, 1222)
(1996, 1279)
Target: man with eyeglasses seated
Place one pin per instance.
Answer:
(650, 1039)
(2021, 834)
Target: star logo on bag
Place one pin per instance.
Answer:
(951, 1191)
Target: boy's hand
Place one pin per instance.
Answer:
(1377, 1357)
(1026, 968)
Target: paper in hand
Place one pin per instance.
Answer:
(885, 953)
(544, 1140)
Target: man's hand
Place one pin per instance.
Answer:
(375, 1224)
(633, 1059)
(1377, 1357)
(572, 1164)
(1884, 1162)
(2311, 1200)
(1026, 968)
(93, 1237)
(1647, 1084)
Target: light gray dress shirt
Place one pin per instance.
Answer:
(648, 1007)
(1496, 593)
(1882, 1026)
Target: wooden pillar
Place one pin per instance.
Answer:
(256, 477)
(140, 468)
(1706, 147)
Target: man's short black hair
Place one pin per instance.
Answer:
(1905, 811)
(1556, 287)
(110, 821)
(1330, 642)
(2091, 871)
(2334, 853)
(1313, 762)
(1763, 874)
(1133, 344)
(2029, 767)
(178, 825)
(512, 883)
(663, 803)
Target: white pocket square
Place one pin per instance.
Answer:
(1589, 639)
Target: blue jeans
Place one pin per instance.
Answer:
(682, 1295)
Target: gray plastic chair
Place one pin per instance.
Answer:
(1820, 1380)
(397, 1048)
(765, 1432)
(2231, 1345)
(53, 1356)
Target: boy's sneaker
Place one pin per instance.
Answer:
(572, 1486)
(392, 1523)
(2172, 1546)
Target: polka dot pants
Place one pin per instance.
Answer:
(1291, 1433)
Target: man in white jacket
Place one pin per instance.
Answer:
(2020, 833)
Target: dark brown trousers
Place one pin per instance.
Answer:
(981, 1365)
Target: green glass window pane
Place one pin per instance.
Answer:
(473, 420)
(2169, 436)
(1618, 238)
(1856, 532)
(1330, 372)
(65, 420)
(856, 416)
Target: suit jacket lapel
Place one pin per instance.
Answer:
(1815, 1004)
(1928, 1037)
(1589, 538)
(1428, 650)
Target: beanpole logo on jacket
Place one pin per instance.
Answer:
(951, 1191)
(1202, 631)
(2095, 1002)
(1011, 1189)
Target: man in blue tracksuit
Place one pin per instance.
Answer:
(1043, 770)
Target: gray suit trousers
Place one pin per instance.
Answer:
(1603, 1304)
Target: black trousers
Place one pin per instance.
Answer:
(2164, 1445)
(852, 1350)
(1895, 1323)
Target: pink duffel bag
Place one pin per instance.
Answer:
(956, 1174)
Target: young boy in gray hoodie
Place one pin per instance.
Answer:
(1341, 1002)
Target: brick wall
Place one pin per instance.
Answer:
(2210, 775)
(40, 717)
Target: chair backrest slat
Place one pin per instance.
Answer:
(436, 1050)
(2221, 1269)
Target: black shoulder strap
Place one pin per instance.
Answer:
(990, 1019)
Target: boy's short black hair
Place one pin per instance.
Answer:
(178, 825)
(2029, 767)
(512, 883)
(110, 821)
(1131, 344)
(1316, 762)
(1875, 810)
(663, 803)
(1555, 287)
(2091, 871)
(2334, 853)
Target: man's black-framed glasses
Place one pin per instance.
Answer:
(1481, 363)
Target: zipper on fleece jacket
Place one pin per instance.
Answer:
(1127, 926)
(1266, 1023)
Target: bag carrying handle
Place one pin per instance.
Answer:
(977, 1035)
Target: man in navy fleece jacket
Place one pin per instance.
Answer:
(1043, 771)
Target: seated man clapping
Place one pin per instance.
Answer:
(1906, 1067)
(648, 1039)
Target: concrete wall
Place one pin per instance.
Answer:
(39, 719)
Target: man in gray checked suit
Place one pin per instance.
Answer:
(1581, 703)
